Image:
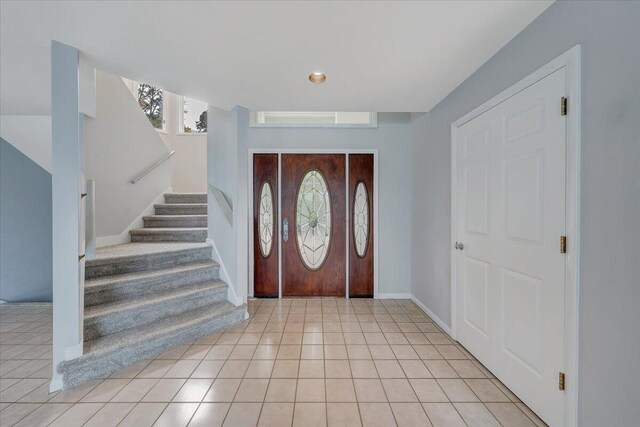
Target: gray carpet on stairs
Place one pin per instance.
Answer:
(141, 299)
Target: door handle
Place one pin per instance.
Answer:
(459, 246)
(285, 229)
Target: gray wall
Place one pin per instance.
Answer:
(392, 138)
(609, 33)
(25, 228)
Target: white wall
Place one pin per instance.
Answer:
(609, 382)
(392, 138)
(189, 163)
(120, 143)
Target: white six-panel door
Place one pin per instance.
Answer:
(511, 165)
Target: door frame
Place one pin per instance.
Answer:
(346, 152)
(570, 60)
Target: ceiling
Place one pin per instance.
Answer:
(378, 56)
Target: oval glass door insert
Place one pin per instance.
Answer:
(313, 220)
(265, 219)
(361, 219)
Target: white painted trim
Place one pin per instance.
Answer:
(70, 352)
(280, 152)
(279, 224)
(74, 351)
(402, 295)
(56, 382)
(124, 237)
(347, 226)
(224, 276)
(250, 225)
(376, 205)
(438, 321)
(571, 60)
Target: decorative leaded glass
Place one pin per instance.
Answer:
(265, 219)
(313, 220)
(361, 219)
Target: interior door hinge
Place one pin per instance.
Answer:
(561, 381)
(563, 106)
(563, 244)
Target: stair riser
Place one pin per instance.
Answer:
(147, 262)
(109, 324)
(181, 210)
(180, 236)
(76, 373)
(132, 289)
(175, 222)
(185, 198)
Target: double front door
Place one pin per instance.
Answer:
(322, 240)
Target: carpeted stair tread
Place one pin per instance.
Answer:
(119, 252)
(151, 300)
(181, 208)
(107, 289)
(174, 221)
(183, 234)
(181, 198)
(167, 230)
(109, 318)
(132, 257)
(108, 354)
(150, 331)
(98, 284)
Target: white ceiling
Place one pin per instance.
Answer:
(378, 56)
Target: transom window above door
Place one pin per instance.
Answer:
(314, 119)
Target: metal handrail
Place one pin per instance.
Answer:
(137, 178)
(90, 220)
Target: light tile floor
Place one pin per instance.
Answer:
(295, 362)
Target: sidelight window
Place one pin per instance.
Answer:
(266, 219)
(361, 219)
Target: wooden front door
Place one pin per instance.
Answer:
(265, 225)
(361, 228)
(313, 225)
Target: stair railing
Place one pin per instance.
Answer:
(225, 206)
(155, 165)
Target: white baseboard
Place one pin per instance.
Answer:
(56, 383)
(124, 237)
(433, 317)
(224, 276)
(394, 296)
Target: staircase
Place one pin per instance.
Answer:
(144, 297)
(182, 218)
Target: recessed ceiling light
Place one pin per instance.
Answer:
(317, 77)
